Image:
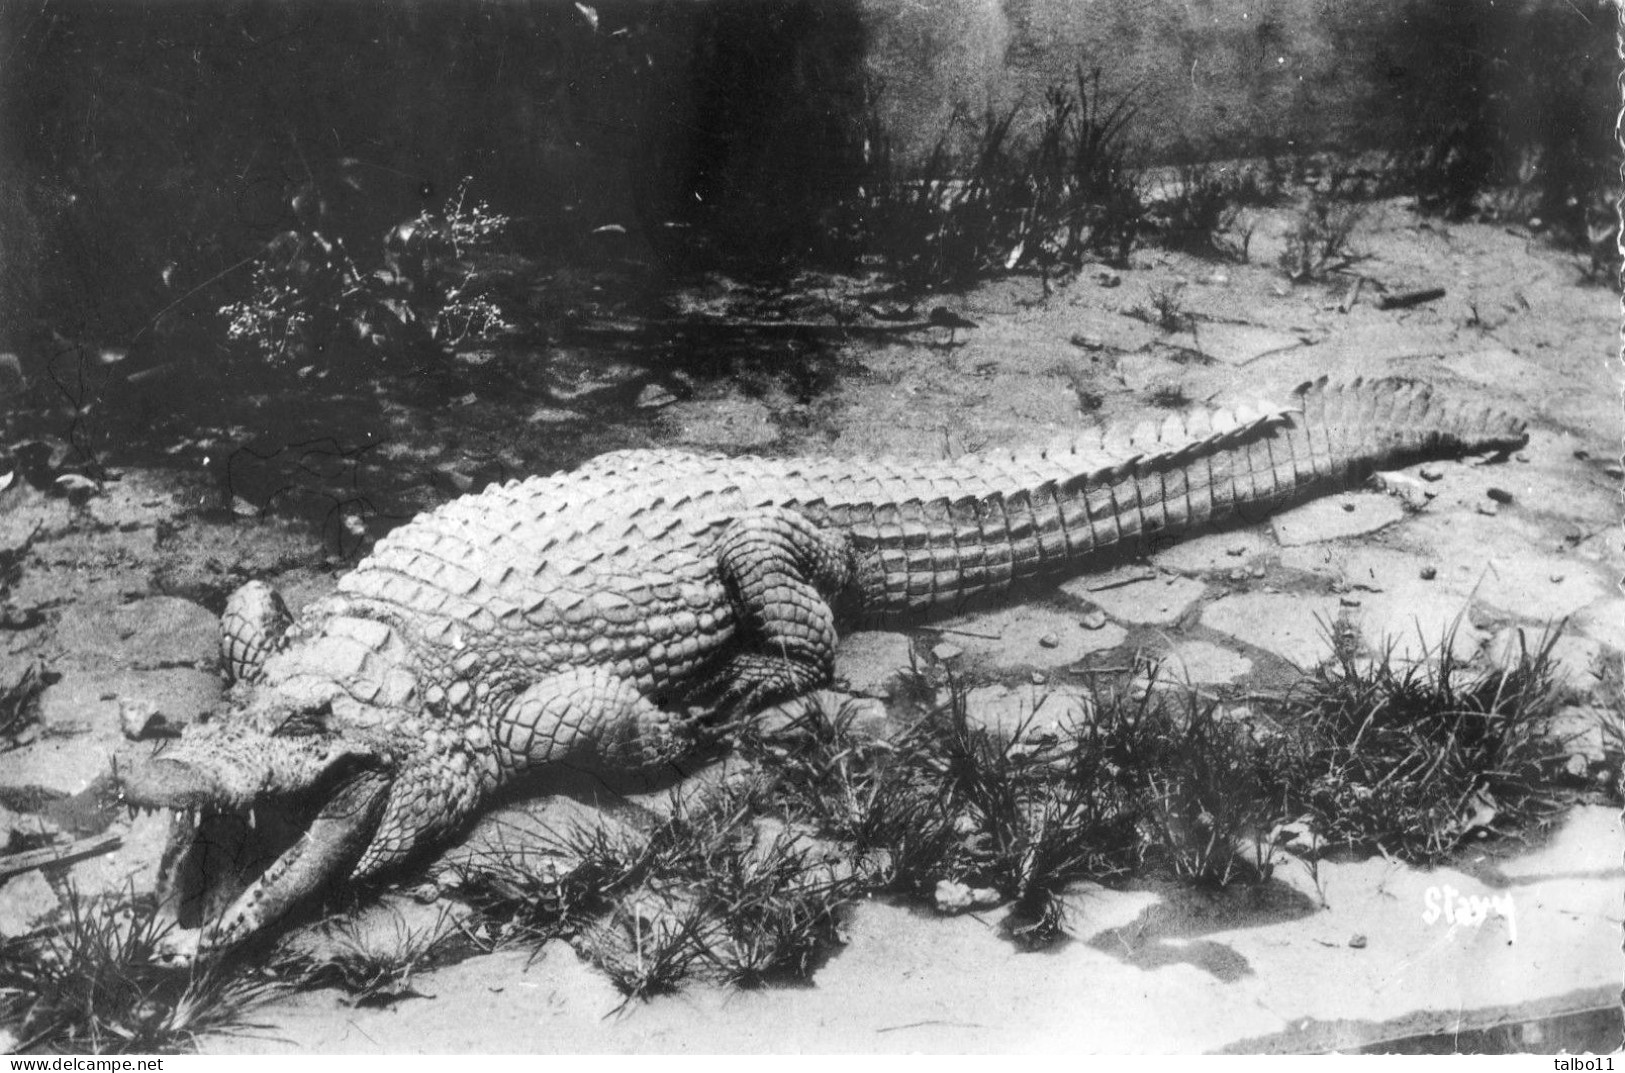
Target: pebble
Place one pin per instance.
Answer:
(1087, 342)
(654, 396)
(1489, 508)
(1093, 619)
(1614, 471)
(1431, 473)
(1557, 579)
(1037, 678)
(1257, 571)
(952, 897)
(1578, 766)
(1357, 942)
(945, 652)
(1500, 495)
(1522, 456)
(1049, 640)
(137, 717)
(1349, 601)
(1429, 573)
(1348, 508)
(1236, 550)
(1238, 574)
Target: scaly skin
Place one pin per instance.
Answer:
(611, 618)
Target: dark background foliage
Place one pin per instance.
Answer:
(149, 150)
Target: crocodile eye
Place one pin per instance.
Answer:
(305, 723)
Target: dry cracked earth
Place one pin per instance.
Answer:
(114, 599)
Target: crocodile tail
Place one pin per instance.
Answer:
(1368, 424)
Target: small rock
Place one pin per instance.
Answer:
(448, 478)
(1490, 508)
(1429, 573)
(1238, 574)
(1049, 640)
(654, 396)
(1522, 456)
(1108, 279)
(1093, 619)
(1557, 579)
(945, 652)
(1614, 471)
(1349, 601)
(1087, 342)
(951, 897)
(25, 900)
(1357, 942)
(1578, 766)
(1409, 490)
(138, 717)
(553, 415)
(1236, 550)
(1348, 508)
(1431, 473)
(1500, 495)
(1257, 571)
(1037, 678)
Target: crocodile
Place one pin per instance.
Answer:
(620, 618)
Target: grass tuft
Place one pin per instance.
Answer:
(1202, 214)
(1416, 757)
(989, 198)
(372, 967)
(96, 985)
(1319, 242)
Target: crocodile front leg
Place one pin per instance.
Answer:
(590, 719)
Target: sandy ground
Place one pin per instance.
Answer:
(116, 598)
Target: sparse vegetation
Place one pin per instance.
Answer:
(1203, 215)
(990, 199)
(95, 985)
(372, 966)
(699, 892)
(312, 298)
(20, 687)
(1319, 242)
(1166, 311)
(1205, 801)
(1415, 757)
(1169, 397)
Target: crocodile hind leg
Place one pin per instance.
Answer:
(251, 629)
(781, 572)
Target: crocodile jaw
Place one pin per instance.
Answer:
(209, 908)
(243, 851)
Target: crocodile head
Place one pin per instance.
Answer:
(320, 771)
(269, 806)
